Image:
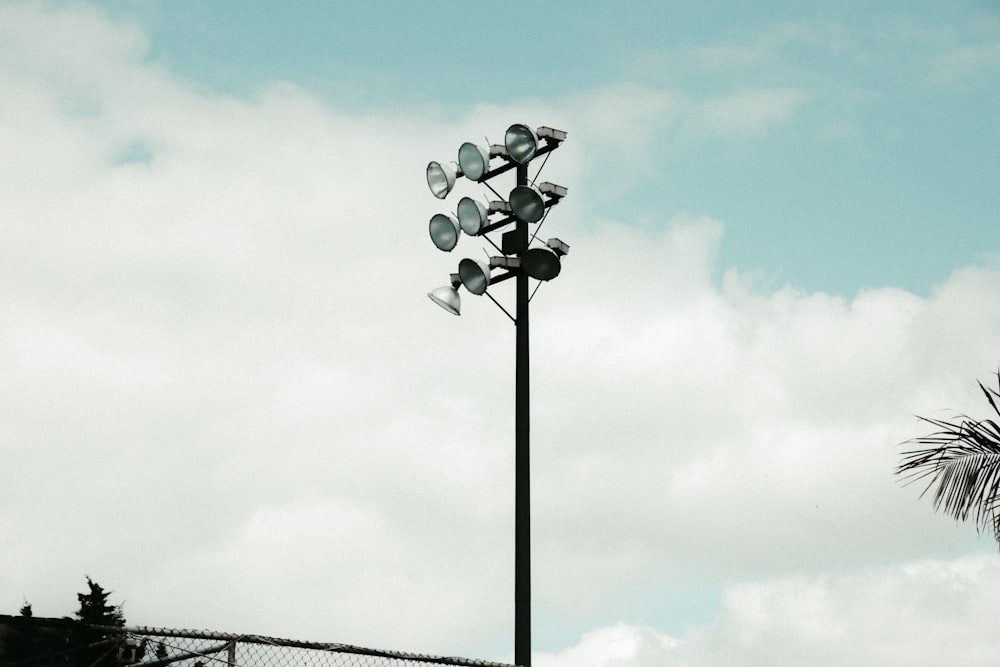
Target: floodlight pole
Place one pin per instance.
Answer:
(522, 263)
(522, 460)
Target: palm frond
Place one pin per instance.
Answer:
(991, 394)
(961, 463)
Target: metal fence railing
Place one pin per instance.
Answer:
(184, 648)
(67, 643)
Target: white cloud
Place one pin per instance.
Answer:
(746, 113)
(227, 399)
(620, 646)
(920, 613)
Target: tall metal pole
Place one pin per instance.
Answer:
(522, 461)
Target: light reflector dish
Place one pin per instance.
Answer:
(444, 230)
(473, 160)
(441, 178)
(541, 263)
(521, 143)
(448, 298)
(475, 275)
(472, 215)
(527, 204)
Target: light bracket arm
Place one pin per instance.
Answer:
(550, 145)
(551, 201)
(500, 306)
(505, 262)
(506, 275)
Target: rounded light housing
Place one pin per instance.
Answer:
(521, 142)
(473, 160)
(475, 275)
(541, 263)
(472, 215)
(441, 178)
(527, 204)
(444, 230)
(448, 298)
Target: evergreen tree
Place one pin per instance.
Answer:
(95, 610)
(94, 607)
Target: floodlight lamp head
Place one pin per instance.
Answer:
(448, 298)
(444, 230)
(472, 215)
(527, 203)
(441, 177)
(475, 275)
(521, 142)
(473, 160)
(541, 263)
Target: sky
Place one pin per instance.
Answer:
(226, 397)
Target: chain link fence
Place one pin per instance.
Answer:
(209, 649)
(67, 643)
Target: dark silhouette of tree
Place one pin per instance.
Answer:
(95, 638)
(94, 607)
(961, 463)
(102, 641)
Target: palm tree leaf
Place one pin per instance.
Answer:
(990, 394)
(960, 463)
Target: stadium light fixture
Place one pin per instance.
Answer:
(475, 275)
(541, 263)
(473, 160)
(444, 230)
(527, 203)
(441, 177)
(522, 142)
(522, 261)
(448, 297)
(473, 215)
